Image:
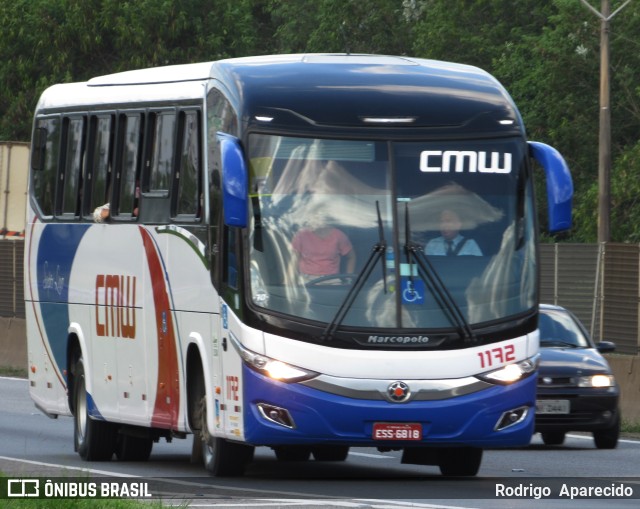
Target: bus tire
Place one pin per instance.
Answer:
(93, 440)
(459, 461)
(292, 452)
(553, 437)
(221, 457)
(330, 452)
(131, 448)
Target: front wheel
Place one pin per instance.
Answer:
(459, 461)
(220, 456)
(292, 452)
(553, 438)
(93, 440)
(330, 452)
(608, 438)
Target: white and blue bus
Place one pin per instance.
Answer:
(255, 252)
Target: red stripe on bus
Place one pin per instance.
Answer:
(167, 404)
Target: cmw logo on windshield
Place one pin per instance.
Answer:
(439, 161)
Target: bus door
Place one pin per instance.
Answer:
(228, 409)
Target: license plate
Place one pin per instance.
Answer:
(553, 406)
(397, 431)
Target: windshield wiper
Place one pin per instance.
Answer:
(377, 252)
(428, 272)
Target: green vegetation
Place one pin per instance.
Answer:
(13, 372)
(545, 53)
(630, 427)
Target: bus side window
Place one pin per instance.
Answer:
(128, 170)
(187, 180)
(70, 179)
(231, 258)
(160, 152)
(44, 176)
(99, 173)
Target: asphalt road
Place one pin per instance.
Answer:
(34, 445)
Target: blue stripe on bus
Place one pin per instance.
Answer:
(56, 252)
(321, 417)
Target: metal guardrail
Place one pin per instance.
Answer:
(600, 283)
(11, 278)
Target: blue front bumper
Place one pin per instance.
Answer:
(324, 418)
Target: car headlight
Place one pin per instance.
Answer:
(512, 372)
(596, 381)
(275, 369)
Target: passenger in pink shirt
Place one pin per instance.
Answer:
(320, 251)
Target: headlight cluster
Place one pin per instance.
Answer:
(598, 381)
(512, 372)
(272, 368)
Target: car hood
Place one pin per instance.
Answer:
(556, 362)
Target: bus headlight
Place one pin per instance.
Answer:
(275, 369)
(512, 372)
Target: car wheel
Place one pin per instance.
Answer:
(553, 438)
(608, 438)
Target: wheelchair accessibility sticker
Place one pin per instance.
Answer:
(412, 291)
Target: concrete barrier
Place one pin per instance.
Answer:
(13, 343)
(13, 354)
(626, 369)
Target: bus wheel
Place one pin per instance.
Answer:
(330, 453)
(459, 461)
(93, 440)
(553, 438)
(221, 457)
(292, 452)
(131, 448)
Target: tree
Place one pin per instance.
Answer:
(351, 26)
(52, 41)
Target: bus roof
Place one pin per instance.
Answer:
(319, 90)
(368, 90)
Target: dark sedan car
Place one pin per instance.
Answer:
(576, 388)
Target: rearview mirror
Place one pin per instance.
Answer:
(559, 185)
(234, 181)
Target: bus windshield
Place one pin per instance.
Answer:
(424, 229)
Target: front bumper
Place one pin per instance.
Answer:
(590, 410)
(326, 418)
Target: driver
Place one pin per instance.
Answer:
(319, 251)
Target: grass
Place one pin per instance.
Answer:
(630, 427)
(13, 372)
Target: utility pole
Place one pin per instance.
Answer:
(604, 143)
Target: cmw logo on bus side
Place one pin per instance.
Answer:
(439, 161)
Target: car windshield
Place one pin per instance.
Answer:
(559, 329)
(333, 222)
